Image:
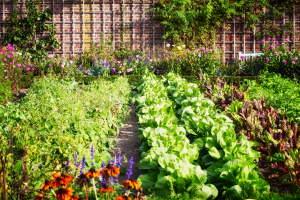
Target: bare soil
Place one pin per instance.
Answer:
(128, 143)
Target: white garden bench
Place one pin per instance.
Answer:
(248, 55)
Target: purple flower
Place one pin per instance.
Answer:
(82, 165)
(129, 171)
(113, 69)
(271, 47)
(262, 41)
(275, 53)
(93, 154)
(68, 164)
(284, 62)
(118, 163)
(76, 163)
(258, 56)
(205, 52)
(242, 57)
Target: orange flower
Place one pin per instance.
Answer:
(39, 197)
(61, 180)
(110, 171)
(123, 198)
(104, 189)
(64, 193)
(46, 185)
(131, 183)
(92, 173)
(75, 197)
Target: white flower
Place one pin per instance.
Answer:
(71, 61)
(179, 48)
(136, 61)
(137, 56)
(183, 45)
(62, 66)
(173, 45)
(150, 60)
(124, 63)
(6, 77)
(4, 70)
(168, 45)
(151, 66)
(14, 66)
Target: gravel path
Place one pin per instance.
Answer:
(128, 143)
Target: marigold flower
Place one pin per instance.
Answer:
(39, 197)
(131, 183)
(105, 189)
(92, 173)
(123, 198)
(46, 185)
(64, 193)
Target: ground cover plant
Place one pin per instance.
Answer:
(175, 117)
(60, 116)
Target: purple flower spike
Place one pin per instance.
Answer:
(68, 165)
(76, 163)
(82, 165)
(93, 154)
(129, 172)
(103, 165)
(114, 162)
(118, 164)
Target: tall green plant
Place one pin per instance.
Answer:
(26, 29)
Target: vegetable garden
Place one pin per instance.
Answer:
(207, 128)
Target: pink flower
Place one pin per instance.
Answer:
(288, 52)
(50, 64)
(276, 42)
(5, 60)
(19, 65)
(275, 53)
(114, 60)
(296, 58)
(128, 70)
(193, 54)
(178, 59)
(133, 66)
(119, 72)
(293, 62)
(183, 54)
(50, 56)
(284, 62)
(267, 59)
(287, 40)
(242, 57)
(121, 64)
(205, 52)
(273, 39)
(63, 56)
(188, 50)
(27, 69)
(269, 38)
(10, 63)
(211, 50)
(199, 55)
(266, 48)
(2, 52)
(8, 56)
(44, 59)
(262, 41)
(271, 47)
(113, 69)
(136, 61)
(202, 49)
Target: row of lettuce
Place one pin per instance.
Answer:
(188, 147)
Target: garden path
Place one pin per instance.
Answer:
(128, 143)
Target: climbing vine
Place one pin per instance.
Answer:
(198, 21)
(28, 31)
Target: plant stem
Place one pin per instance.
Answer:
(53, 192)
(108, 181)
(86, 196)
(95, 189)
